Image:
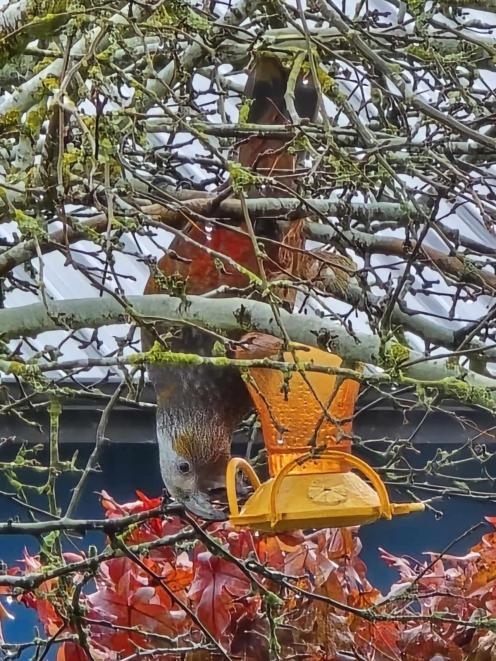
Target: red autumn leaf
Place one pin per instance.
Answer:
(327, 562)
(308, 560)
(240, 543)
(149, 530)
(216, 586)
(483, 647)
(178, 573)
(271, 549)
(148, 503)
(248, 629)
(42, 600)
(142, 504)
(364, 598)
(378, 638)
(143, 608)
(402, 565)
(48, 615)
(424, 641)
(125, 597)
(71, 652)
(341, 543)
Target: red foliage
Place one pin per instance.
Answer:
(217, 585)
(125, 598)
(71, 652)
(131, 606)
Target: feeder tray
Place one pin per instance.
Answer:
(312, 500)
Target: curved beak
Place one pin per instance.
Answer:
(199, 504)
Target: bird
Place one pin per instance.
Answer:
(199, 407)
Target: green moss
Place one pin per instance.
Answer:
(469, 270)
(162, 17)
(93, 235)
(242, 178)
(272, 599)
(95, 72)
(34, 120)
(158, 356)
(431, 54)
(398, 352)
(125, 224)
(452, 363)
(107, 148)
(327, 82)
(244, 111)
(454, 388)
(26, 370)
(416, 7)
(50, 83)
(219, 349)
(89, 121)
(177, 13)
(174, 284)
(421, 52)
(55, 408)
(71, 157)
(395, 68)
(393, 355)
(10, 119)
(342, 166)
(301, 143)
(39, 19)
(467, 393)
(42, 64)
(29, 227)
(197, 22)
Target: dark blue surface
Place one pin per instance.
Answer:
(126, 468)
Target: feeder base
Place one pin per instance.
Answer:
(316, 500)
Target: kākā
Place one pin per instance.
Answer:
(198, 408)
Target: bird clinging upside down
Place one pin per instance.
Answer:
(198, 408)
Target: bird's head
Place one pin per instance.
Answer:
(193, 462)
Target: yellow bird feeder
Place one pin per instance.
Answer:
(306, 428)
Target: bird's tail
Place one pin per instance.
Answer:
(274, 156)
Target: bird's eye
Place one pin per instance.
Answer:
(184, 467)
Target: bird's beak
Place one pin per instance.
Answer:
(199, 504)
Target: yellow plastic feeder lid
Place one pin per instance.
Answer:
(291, 501)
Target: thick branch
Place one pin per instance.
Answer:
(177, 214)
(458, 265)
(236, 315)
(282, 207)
(107, 526)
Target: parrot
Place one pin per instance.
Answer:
(199, 407)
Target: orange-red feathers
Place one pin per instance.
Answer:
(267, 156)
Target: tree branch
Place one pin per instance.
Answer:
(240, 315)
